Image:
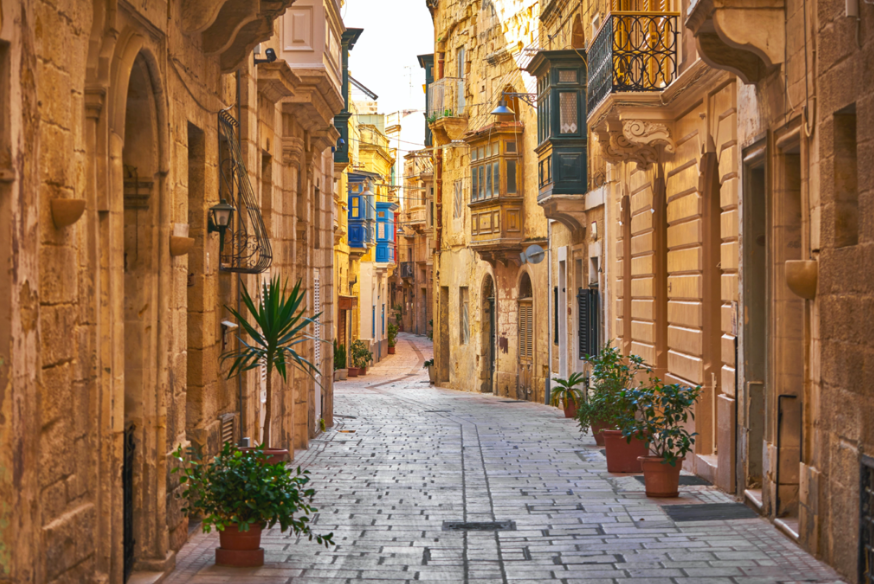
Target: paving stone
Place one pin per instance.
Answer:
(420, 456)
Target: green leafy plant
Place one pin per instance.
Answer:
(611, 373)
(322, 424)
(432, 119)
(275, 326)
(429, 363)
(242, 489)
(447, 113)
(658, 415)
(361, 355)
(566, 390)
(431, 330)
(339, 356)
(392, 334)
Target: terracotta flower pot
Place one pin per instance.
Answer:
(661, 479)
(274, 455)
(623, 456)
(241, 549)
(391, 350)
(570, 409)
(598, 428)
(353, 372)
(432, 374)
(362, 371)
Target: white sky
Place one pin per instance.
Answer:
(384, 58)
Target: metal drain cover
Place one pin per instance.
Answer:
(709, 512)
(685, 481)
(479, 526)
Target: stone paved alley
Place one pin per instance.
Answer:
(404, 458)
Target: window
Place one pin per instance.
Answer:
(568, 119)
(511, 177)
(464, 330)
(846, 177)
(488, 163)
(460, 62)
(356, 212)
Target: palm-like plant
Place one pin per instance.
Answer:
(566, 390)
(276, 327)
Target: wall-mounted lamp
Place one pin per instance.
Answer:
(227, 328)
(270, 54)
(219, 219)
(502, 109)
(65, 212)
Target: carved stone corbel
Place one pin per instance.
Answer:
(637, 141)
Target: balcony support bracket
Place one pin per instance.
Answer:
(634, 140)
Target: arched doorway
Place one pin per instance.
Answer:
(524, 387)
(488, 354)
(140, 163)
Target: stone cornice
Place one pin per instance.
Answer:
(277, 81)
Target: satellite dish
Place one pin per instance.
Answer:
(534, 254)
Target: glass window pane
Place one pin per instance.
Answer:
(488, 181)
(567, 76)
(473, 152)
(355, 207)
(568, 112)
(474, 191)
(482, 182)
(496, 181)
(511, 146)
(511, 177)
(482, 152)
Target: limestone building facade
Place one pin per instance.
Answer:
(123, 126)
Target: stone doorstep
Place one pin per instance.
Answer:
(139, 577)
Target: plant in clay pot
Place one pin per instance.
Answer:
(566, 394)
(432, 371)
(659, 416)
(361, 356)
(340, 370)
(603, 407)
(392, 337)
(275, 327)
(240, 494)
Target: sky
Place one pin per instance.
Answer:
(384, 58)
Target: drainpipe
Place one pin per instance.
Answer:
(239, 277)
(549, 323)
(438, 170)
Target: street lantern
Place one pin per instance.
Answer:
(220, 217)
(502, 108)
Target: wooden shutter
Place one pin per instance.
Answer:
(317, 328)
(526, 329)
(587, 321)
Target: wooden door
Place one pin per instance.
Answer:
(526, 348)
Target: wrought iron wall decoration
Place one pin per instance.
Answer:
(246, 247)
(633, 51)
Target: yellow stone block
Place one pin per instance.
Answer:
(728, 223)
(641, 288)
(684, 286)
(683, 180)
(684, 313)
(647, 352)
(642, 309)
(641, 222)
(728, 193)
(641, 265)
(728, 161)
(641, 200)
(641, 244)
(643, 331)
(684, 260)
(729, 287)
(685, 340)
(727, 343)
(728, 377)
(684, 207)
(728, 256)
(684, 233)
(686, 366)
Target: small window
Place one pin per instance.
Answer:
(511, 177)
(459, 200)
(382, 214)
(464, 332)
(510, 147)
(482, 152)
(567, 76)
(355, 208)
(568, 118)
(473, 154)
(482, 182)
(474, 190)
(496, 178)
(488, 190)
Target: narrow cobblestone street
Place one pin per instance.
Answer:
(404, 458)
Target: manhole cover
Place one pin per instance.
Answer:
(479, 526)
(685, 480)
(709, 512)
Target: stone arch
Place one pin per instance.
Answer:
(578, 34)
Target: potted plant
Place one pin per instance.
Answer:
(392, 337)
(567, 395)
(340, 371)
(659, 416)
(361, 356)
(399, 316)
(611, 373)
(242, 493)
(432, 371)
(276, 328)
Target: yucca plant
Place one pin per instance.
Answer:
(275, 327)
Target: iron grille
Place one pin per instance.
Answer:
(127, 494)
(588, 318)
(633, 51)
(406, 269)
(866, 521)
(246, 242)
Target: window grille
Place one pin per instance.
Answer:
(568, 116)
(458, 208)
(465, 315)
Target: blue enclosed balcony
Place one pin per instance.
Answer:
(385, 232)
(362, 213)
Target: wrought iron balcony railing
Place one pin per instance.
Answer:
(406, 269)
(632, 52)
(446, 99)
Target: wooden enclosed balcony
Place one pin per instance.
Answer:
(416, 218)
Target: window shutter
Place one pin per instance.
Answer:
(555, 315)
(317, 327)
(587, 313)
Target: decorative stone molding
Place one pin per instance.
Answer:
(446, 130)
(634, 141)
(231, 28)
(277, 81)
(315, 101)
(726, 40)
(569, 210)
(292, 150)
